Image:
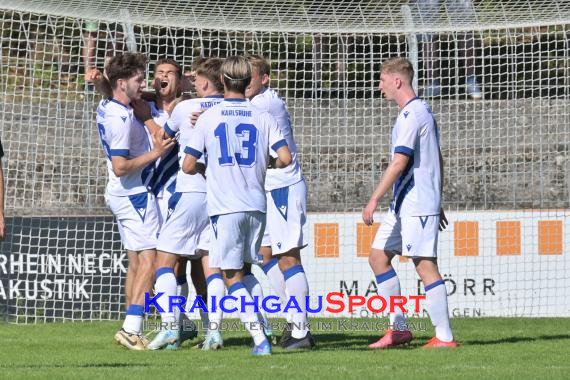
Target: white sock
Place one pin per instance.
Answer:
(133, 320)
(166, 283)
(254, 288)
(248, 317)
(298, 287)
(181, 290)
(277, 282)
(389, 285)
(215, 289)
(436, 298)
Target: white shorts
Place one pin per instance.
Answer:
(137, 219)
(162, 201)
(236, 239)
(186, 225)
(286, 216)
(413, 236)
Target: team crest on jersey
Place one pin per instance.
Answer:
(281, 199)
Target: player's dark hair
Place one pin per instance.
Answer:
(236, 72)
(398, 65)
(124, 66)
(260, 63)
(168, 61)
(211, 70)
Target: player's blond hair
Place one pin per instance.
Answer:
(260, 63)
(400, 66)
(236, 72)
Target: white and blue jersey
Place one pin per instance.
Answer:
(164, 178)
(269, 101)
(237, 137)
(180, 124)
(417, 192)
(123, 135)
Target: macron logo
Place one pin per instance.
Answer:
(409, 246)
(279, 245)
(406, 114)
(124, 118)
(283, 210)
(142, 212)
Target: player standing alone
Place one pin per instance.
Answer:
(237, 137)
(412, 224)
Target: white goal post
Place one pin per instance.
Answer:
(495, 72)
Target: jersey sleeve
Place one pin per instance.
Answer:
(181, 120)
(172, 126)
(276, 139)
(196, 141)
(407, 135)
(118, 136)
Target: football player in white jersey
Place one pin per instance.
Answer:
(154, 112)
(238, 137)
(187, 231)
(130, 163)
(411, 226)
(286, 214)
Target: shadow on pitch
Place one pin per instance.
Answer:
(89, 365)
(330, 342)
(515, 339)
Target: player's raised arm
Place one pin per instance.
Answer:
(392, 173)
(101, 83)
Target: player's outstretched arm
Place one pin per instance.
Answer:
(102, 85)
(284, 157)
(392, 173)
(123, 165)
(190, 164)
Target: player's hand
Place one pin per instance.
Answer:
(93, 75)
(141, 109)
(195, 116)
(442, 220)
(2, 227)
(162, 145)
(368, 213)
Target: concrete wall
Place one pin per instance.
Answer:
(508, 154)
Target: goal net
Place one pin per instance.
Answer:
(495, 73)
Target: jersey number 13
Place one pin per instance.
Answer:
(247, 134)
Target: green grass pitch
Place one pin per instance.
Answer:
(490, 348)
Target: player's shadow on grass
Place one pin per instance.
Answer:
(514, 339)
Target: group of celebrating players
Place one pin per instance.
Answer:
(215, 180)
